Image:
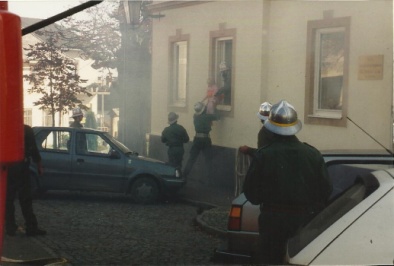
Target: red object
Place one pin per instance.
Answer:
(11, 100)
(11, 89)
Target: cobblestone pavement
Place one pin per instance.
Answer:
(107, 229)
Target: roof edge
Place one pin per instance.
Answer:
(166, 5)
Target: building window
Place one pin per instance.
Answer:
(179, 72)
(27, 116)
(222, 65)
(179, 45)
(327, 72)
(47, 118)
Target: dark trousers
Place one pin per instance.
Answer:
(275, 228)
(203, 145)
(18, 184)
(175, 156)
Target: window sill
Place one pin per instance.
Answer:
(226, 108)
(326, 116)
(178, 105)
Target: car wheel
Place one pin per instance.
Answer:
(145, 190)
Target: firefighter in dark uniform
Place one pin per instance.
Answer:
(78, 116)
(202, 141)
(174, 136)
(18, 183)
(289, 180)
(264, 136)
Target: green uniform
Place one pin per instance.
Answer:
(76, 124)
(290, 181)
(264, 138)
(201, 142)
(174, 136)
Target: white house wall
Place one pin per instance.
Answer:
(198, 21)
(369, 101)
(276, 70)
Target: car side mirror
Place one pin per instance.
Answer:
(113, 154)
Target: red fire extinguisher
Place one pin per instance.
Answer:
(11, 100)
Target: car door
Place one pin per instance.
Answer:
(93, 167)
(54, 147)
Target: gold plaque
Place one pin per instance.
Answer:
(370, 67)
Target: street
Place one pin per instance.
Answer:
(108, 229)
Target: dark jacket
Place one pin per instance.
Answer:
(203, 122)
(31, 150)
(174, 135)
(76, 124)
(264, 137)
(287, 172)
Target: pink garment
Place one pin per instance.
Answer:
(211, 99)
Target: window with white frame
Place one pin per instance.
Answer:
(178, 77)
(47, 118)
(329, 60)
(27, 116)
(222, 65)
(223, 60)
(326, 72)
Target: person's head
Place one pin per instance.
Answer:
(223, 66)
(210, 81)
(172, 118)
(77, 114)
(283, 119)
(199, 108)
(264, 111)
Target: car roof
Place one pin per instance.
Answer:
(68, 128)
(357, 156)
(326, 239)
(355, 152)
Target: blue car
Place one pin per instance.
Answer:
(82, 159)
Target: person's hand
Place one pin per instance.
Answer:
(244, 149)
(40, 169)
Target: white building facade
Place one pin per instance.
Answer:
(278, 50)
(332, 60)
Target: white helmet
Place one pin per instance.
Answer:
(199, 108)
(172, 117)
(283, 119)
(77, 112)
(264, 111)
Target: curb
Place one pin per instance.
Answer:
(201, 204)
(204, 210)
(209, 229)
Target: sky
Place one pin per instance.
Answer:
(40, 8)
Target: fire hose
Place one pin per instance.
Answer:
(241, 168)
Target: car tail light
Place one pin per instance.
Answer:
(234, 219)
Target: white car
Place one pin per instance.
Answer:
(242, 238)
(357, 228)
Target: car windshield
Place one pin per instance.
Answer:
(362, 188)
(118, 144)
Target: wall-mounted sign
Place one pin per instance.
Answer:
(370, 67)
